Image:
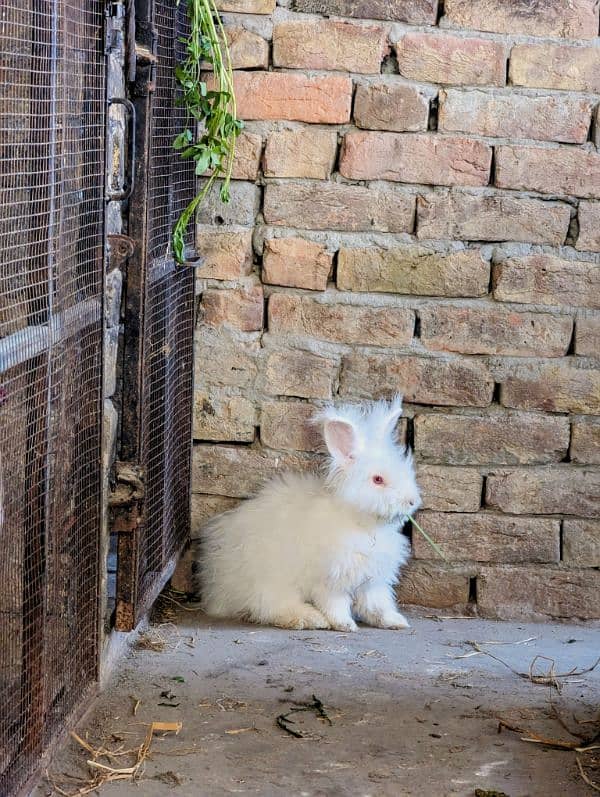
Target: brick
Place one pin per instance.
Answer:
(585, 441)
(549, 171)
(240, 308)
(300, 153)
(495, 217)
(581, 543)
(555, 66)
(451, 59)
(387, 106)
(241, 210)
(425, 158)
(551, 118)
(415, 12)
(280, 95)
(206, 506)
(247, 49)
(239, 471)
(432, 585)
(299, 373)
(246, 161)
(335, 206)
(414, 270)
(227, 255)
(449, 489)
(296, 263)
(494, 330)
(223, 418)
(587, 336)
(556, 387)
(247, 6)
(546, 279)
(422, 380)
(328, 44)
(577, 19)
(486, 537)
(498, 439)
(340, 323)
(221, 359)
(552, 490)
(288, 425)
(506, 592)
(589, 227)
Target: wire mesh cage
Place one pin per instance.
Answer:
(52, 101)
(168, 323)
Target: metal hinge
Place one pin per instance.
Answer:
(120, 247)
(144, 58)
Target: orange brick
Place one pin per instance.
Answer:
(494, 330)
(587, 336)
(488, 537)
(576, 19)
(297, 263)
(388, 106)
(227, 255)
(546, 279)
(589, 227)
(549, 118)
(281, 95)
(415, 12)
(564, 170)
(248, 50)
(556, 387)
(247, 6)
(293, 372)
(452, 60)
(240, 308)
(325, 44)
(300, 153)
(423, 380)
(335, 206)
(461, 216)
(555, 66)
(341, 323)
(419, 158)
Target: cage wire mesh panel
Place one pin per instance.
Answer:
(51, 277)
(166, 415)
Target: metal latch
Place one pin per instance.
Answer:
(126, 506)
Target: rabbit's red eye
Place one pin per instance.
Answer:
(378, 480)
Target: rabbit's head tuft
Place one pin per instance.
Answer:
(367, 466)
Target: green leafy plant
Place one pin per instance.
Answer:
(211, 126)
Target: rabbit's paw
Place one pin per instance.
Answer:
(343, 625)
(301, 617)
(393, 620)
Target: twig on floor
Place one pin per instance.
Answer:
(551, 678)
(588, 780)
(283, 720)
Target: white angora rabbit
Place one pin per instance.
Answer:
(310, 552)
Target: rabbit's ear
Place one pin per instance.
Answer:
(390, 418)
(341, 439)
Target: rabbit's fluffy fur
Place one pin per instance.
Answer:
(310, 552)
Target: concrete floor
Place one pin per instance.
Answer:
(409, 717)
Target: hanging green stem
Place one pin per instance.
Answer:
(433, 544)
(211, 126)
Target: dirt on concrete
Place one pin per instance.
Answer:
(407, 712)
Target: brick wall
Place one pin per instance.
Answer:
(416, 207)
